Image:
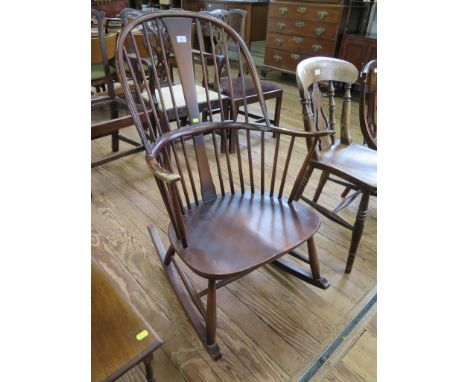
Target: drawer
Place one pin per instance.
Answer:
(303, 28)
(301, 44)
(305, 11)
(283, 59)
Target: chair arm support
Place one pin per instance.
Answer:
(160, 172)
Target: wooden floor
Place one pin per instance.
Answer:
(271, 325)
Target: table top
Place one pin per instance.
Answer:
(121, 338)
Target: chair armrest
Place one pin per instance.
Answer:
(160, 172)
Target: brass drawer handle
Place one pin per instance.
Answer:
(295, 56)
(322, 14)
(319, 31)
(316, 47)
(277, 58)
(300, 24)
(280, 26)
(282, 10)
(302, 9)
(279, 41)
(298, 39)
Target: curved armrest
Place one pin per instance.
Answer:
(160, 172)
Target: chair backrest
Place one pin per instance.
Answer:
(110, 47)
(187, 162)
(235, 18)
(368, 104)
(106, 51)
(325, 71)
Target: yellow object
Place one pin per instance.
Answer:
(143, 334)
(195, 120)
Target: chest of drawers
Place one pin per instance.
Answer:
(301, 29)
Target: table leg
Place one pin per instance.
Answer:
(150, 375)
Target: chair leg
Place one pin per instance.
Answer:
(115, 141)
(318, 191)
(276, 121)
(211, 313)
(357, 230)
(313, 258)
(345, 192)
(150, 375)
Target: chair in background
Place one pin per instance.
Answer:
(229, 217)
(341, 161)
(368, 104)
(233, 88)
(102, 70)
(110, 126)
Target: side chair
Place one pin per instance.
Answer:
(340, 160)
(229, 213)
(103, 48)
(236, 19)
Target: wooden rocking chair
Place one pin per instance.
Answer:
(227, 216)
(350, 164)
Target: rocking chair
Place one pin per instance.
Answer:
(228, 216)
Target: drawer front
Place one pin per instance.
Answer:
(305, 11)
(301, 44)
(283, 59)
(303, 28)
(209, 6)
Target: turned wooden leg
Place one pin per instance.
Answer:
(345, 192)
(313, 258)
(357, 230)
(211, 313)
(150, 375)
(276, 121)
(322, 181)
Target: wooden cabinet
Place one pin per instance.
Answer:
(256, 19)
(358, 50)
(301, 29)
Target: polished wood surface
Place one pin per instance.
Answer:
(271, 326)
(115, 328)
(352, 165)
(268, 227)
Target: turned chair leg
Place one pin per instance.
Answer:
(345, 192)
(313, 258)
(115, 141)
(322, 181)
(150, 375)
(211, 313)
(276, 121)
(357, 230)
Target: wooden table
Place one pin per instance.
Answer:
(121, 338)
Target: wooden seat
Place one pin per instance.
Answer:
(356, 162)
(228, 219)
(263, 228)
(341, 161)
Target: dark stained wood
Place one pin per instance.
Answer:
(350, 164)
(368, 104)
(225, 236)
(116, 326)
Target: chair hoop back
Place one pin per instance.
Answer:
(368, 104)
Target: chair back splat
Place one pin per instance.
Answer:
(368, 104)
(227, 212)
